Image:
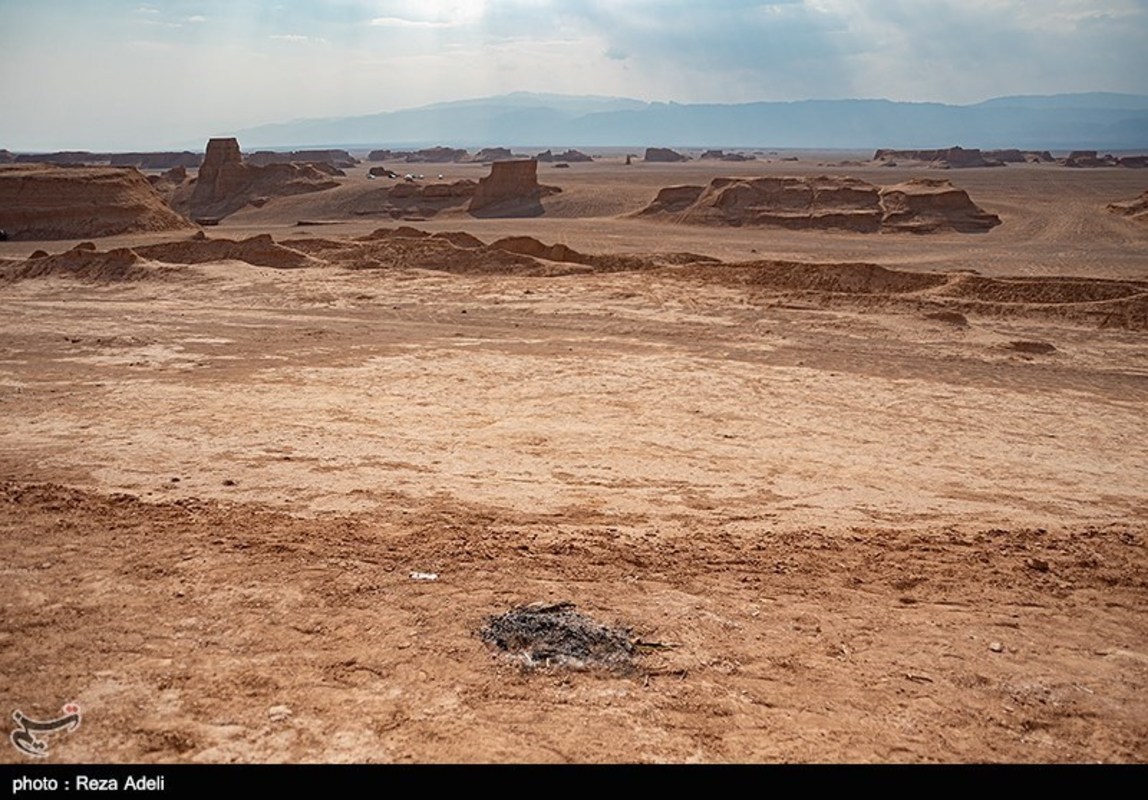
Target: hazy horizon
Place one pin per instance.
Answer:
(154, 75)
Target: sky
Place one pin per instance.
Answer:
(114, 74)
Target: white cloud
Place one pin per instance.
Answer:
(399, 22)
(428, 13)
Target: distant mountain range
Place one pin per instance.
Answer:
(1094, 120)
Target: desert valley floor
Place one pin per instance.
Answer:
(876, 497)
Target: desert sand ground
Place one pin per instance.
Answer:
(869, 533)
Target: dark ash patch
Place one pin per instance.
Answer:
(556, 635)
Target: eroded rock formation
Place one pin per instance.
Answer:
(54, 202)
(825, 202)
(570, 157)
(721, 155)
(511, 189)
(226, 184)
(340, 159)
(429, 155)
(664, 155)
(951, 157)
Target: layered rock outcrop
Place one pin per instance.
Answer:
(340, 159)
(158, 160)
(570, 157)
(664, 155)
(487, 154)
(429, 155)
(825, 202)
(53, 202)
(511, 189)
(928, 205)
(947, 158)
(721, 155)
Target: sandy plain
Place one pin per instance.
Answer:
(871, 533)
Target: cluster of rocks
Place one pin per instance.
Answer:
(569, 157)
(960, 157)
(339, 159)
(450, 155)
(1091, 158)
(226, 183)
(487, 154)
(160, 160)
(947, 158)
(824, 202)
(429, 155)
(721, 155)
(510, 190)
(1014, 156)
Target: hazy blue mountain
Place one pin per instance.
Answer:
(565, 103)
(1095, 120)
(1137, 102)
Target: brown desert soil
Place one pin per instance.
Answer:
(856, 497)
